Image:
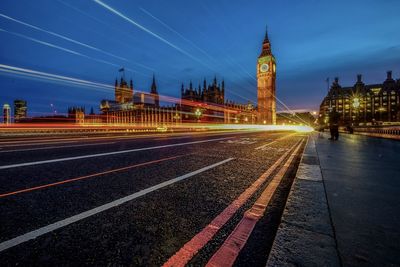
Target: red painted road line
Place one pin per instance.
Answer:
(191, 248)
(228, 252)
(86, 177)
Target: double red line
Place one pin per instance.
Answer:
(224, 257)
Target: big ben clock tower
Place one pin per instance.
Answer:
(266, 73)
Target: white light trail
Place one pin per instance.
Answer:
(62, 37)
(58, 47)
(52, 77)
(177, 33)
(116, 12)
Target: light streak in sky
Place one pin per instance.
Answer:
(52, 77)
(58, 47)
(75, 42)
(116, 12)
(62, 37)
(177, 33)
(96, 85)
(69, 51)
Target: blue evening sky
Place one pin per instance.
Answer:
(181, 40)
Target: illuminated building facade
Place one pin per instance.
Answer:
(6, 114)
(123, 91)
(207, 103)
(76, 115)
(266, 74)
(363, 104)
(137, 108)
(20, 110)
(204, 103)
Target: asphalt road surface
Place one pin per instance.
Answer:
(137, 200)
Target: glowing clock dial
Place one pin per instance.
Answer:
(264, 68)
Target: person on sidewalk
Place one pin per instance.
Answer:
(334, 124)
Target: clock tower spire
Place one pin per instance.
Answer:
(266, 74)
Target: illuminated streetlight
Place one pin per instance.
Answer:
(197, 113)
(356, 102)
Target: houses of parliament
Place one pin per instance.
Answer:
(203, 103)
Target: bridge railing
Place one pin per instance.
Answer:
(391, 132)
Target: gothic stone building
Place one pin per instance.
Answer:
(207, 104)
(138, 108)
(363, 104)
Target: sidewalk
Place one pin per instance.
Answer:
(344, 206)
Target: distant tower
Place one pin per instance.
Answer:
(154, 93)
(266, 73)
(20, 109)
(123, 91)
(6, 114)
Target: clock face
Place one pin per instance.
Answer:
(264, 67)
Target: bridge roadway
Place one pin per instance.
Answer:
(137, 200)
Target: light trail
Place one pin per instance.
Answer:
(60, 48)
(116, 12)
(49, 76)
(120, 42)
(177, 33)
(62, 37)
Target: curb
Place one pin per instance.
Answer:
(305, 235)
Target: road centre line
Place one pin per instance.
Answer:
(88, 176)
(192, 247)
(106, 154)
(226, 255)
(54, 147)
(78, 217)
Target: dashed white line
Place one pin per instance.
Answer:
(59, 224)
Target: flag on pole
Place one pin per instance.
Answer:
(121, 69)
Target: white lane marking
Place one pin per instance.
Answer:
(54, 147)
(106, 154)
(54, 226)
(37, 144)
